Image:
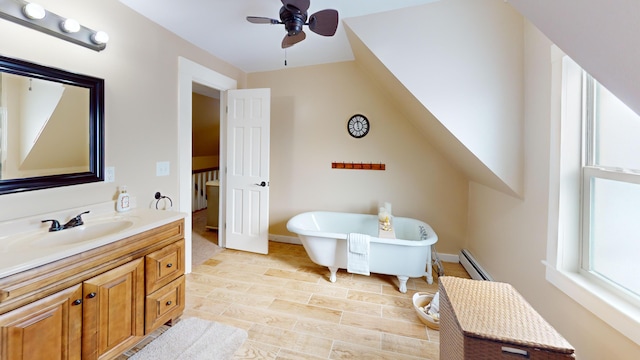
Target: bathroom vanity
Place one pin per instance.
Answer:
(96, 297)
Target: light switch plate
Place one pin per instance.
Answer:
(109, 174)
(162, 168)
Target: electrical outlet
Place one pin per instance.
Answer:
(162, 168)
(109, 174)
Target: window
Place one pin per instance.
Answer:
(611, 191)
(594, 203)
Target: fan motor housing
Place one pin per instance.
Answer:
(293, 21)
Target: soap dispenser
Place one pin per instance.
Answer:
(123, 200)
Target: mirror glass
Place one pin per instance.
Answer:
(51, 127)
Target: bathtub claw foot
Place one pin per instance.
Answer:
(429, 279)
(403, 283)
(333, 271)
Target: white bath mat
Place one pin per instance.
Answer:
(194, 339)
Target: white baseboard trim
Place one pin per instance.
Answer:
(449, 258)
(295, 240)
(285, 239)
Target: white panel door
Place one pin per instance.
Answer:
(247, 190)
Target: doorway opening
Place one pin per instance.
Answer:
(205, 152)
(189, 73)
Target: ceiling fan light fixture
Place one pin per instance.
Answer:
(293, 27)
(293, 14)
(293, 20)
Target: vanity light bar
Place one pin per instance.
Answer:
(37, 18)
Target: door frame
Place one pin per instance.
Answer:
(188, 73)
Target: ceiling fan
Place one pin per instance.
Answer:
(293, 14)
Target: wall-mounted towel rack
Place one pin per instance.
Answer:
(358, 166)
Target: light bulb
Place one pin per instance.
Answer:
(100, 37)
(34, 11)
(70, 26)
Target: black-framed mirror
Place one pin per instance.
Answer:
(51, 127)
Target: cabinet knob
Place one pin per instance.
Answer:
(77, 302)
(168, 302)
(91, 295)
(169, 265)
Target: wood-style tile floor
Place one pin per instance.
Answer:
(292, 311)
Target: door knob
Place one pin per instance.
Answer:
(263, 184)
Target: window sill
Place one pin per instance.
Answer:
(610, 308)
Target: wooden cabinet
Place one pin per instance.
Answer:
(47, 329)
(113, 317)
(97, 304)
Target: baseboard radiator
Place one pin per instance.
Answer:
(199, 188)
(473, 267)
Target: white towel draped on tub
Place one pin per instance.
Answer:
(358, 253)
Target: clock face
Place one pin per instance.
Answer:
(358, 126)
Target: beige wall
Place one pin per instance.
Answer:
(139, 66)
(205, 139)
(310, 107)
(509, 236)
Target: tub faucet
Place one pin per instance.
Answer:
(76, 221)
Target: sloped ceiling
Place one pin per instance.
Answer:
(461, 63)
(423, 120)
(602, 36)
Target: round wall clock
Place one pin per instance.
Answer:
(358, 126)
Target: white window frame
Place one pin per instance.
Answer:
(563, 263)
(590, 172)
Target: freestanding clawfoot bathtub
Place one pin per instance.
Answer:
(324, 236)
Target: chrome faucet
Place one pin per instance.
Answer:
(75, 221)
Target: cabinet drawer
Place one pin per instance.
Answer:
(165, 304)
(164, 266)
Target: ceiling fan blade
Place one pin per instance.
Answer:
(324, 22)
(262, 20)
(289, 41)
(302, 5)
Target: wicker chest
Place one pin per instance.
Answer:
(484, 320)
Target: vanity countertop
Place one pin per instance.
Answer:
(18, 255)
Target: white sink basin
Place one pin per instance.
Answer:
(77, 235)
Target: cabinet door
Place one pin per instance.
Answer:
(113, 317)
(50, 328)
